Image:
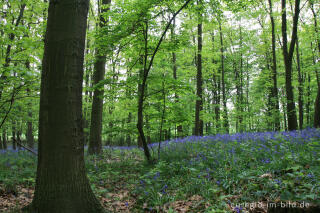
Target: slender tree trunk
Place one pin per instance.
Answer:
(300, 88)
(216, 91)
(247, 98)
(95, 142)
(317, 101)
(7, 60)
(308, 105)
(288, 56)
(199, 101)
(240, 85)
(4, 139)
(128, 139)
(1, 145)
(14, 144)
(146, 70)
(174, 68)
(61, 183)
(29, 133)
(87, 98)
(284, 108)
(19, 137)
(224, 96)
(274, 92)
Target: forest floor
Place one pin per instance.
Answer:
(246, 172)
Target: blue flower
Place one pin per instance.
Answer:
(238, 209)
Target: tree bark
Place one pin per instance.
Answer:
(61, 183)
(216, 90)
(95, 142)
(1, 145)
(174, 69)
(29, 133)
(317, 102)
(224, 96)
(14, 144)
(308, 105)
(274, 90)
(300, 88)
(199, 101)
(142, 85)
(288, 56)
(4, 139)
(7, 61)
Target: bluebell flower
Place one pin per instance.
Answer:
(238, 209)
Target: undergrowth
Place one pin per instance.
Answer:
(203, 174)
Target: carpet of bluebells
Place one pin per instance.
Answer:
(198, 174)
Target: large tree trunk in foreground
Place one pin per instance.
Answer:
(62, 184)
(288, 56)
(95, 143)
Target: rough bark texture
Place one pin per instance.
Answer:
(288, 56)
(61, 183)
(95, 142)
(199, 104)
(274, 90)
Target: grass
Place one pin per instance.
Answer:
(195, 174)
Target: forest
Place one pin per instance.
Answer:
(160, 106)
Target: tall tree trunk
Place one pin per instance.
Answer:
(300, 88)
(7, 60)
(317, 102)
(87, 98)
(19, 137)
(95, 142)
(274, 91)
(288, 56)
(61, 183)
(199, 101)
(128, 138)
(174, 69)
(308, 105)
(224, 96)
(216, 91)
(142, 85)
(29, 133)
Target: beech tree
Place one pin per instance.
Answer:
(61, 183)
(95, 144)
(288, 57)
